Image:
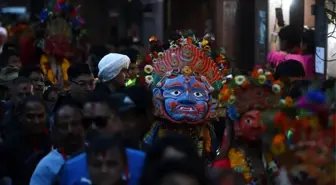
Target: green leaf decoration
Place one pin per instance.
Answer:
(217, 85)
(232, 84)
(254, 81)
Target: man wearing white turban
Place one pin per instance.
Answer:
(113, 70)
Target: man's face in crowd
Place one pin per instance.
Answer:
(34, 117)
(70, 129)
(14, 61)
(52, 99)
(133, 70)
(107, 167)
(22, 90)
(99, 117)
(37, 80)
(82, 85)
(121, 78)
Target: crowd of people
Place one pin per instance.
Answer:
(178, 115)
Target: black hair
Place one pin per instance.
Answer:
(156, 152)
(26, 71)
(21, 105)
(308, 38)
(78, 69)
(142, 98)
(126, 42)
(105, 142)
(131, 53)
(177, 141)
(101, 97)
(292, 35)
(67, 104)
(186, 167)
(289, 68)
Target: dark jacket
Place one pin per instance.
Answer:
(19, 156)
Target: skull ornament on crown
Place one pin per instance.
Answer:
(183, 75)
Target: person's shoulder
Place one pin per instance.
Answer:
(296, 57)
(308, 58)
(77, 159)
(51, 160)
(47, 169)
(134, 152)
(74, 169)
(275, 57)
(135, 157)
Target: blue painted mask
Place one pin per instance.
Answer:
(184, 99)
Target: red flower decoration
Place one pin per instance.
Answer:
(155, 54)
(148, 58)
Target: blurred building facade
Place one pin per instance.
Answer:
(241, 27)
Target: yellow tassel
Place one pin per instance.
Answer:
(65, 67)
(43, 62)
(50, 76)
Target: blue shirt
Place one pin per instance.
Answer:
(75, 169)
(47, 169)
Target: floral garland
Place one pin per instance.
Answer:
(260, 77)
(240, 163)
(310, 141)
(46, 68)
